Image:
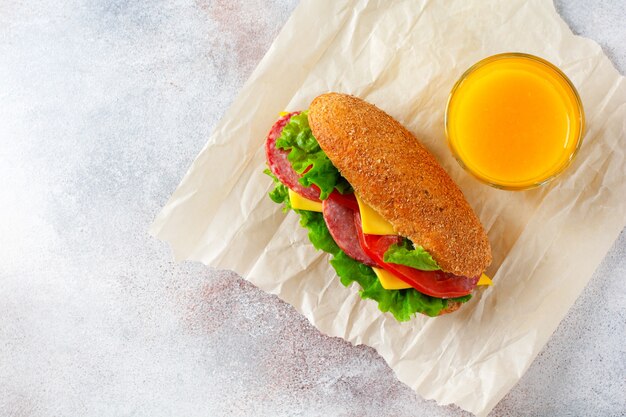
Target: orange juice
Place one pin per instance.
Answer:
(514, 121)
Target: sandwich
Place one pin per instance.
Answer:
(374, 198)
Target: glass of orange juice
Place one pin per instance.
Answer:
(514, 121)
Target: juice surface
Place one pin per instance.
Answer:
(514, 122)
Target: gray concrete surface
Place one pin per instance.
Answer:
(104, 105)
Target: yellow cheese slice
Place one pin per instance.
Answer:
(372, 222)
(484, 280)
(389, 281)
(302, 203)
(283, 113)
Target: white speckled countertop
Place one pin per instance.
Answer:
(104, 105)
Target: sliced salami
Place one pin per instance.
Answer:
(346, 200)
(280, 166)
(341, 225)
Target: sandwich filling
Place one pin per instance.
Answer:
(399, 274)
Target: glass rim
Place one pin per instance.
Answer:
(578, 106)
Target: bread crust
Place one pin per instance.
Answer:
(394, 173)
(451, 308)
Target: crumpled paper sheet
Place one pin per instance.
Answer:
(405, 56)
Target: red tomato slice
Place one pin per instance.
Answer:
(434, 283)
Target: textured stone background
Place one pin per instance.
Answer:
(104, 104)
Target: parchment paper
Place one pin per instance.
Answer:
(405, 56)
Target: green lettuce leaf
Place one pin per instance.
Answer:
(406, 254)
(280, 193)
(318, 232)
(304, 152)
(403, 304)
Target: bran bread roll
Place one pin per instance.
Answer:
(394, 173)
